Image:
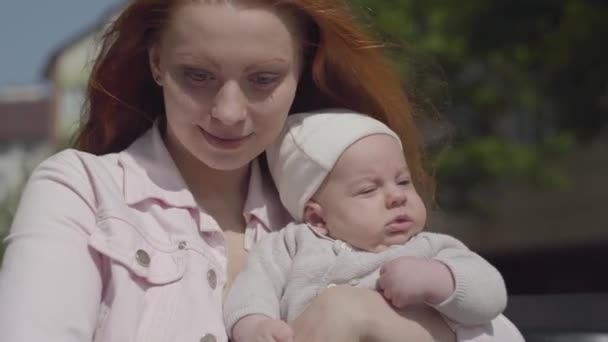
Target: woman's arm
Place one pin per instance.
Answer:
(353, 314)
(50, 283)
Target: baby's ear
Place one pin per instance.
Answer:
(313, 215)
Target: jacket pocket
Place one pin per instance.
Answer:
(124, 243)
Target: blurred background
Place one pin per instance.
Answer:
(512, 97)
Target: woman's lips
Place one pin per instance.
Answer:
(227, 143)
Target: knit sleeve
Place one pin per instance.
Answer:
(259, 286)
(480, 294)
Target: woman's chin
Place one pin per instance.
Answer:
(225, 161)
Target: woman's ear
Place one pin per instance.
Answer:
(313, 215)
(154, 61)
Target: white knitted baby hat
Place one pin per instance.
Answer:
(308, 148)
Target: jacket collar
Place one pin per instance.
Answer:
(263, 201)
(151, 173)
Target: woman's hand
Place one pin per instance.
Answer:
(348, 314)
(335, 315)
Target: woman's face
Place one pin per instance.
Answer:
(229, 74)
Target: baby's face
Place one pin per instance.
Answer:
(368, 199)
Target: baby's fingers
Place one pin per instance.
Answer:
(384, 288)
(385, 281)
(282, 332)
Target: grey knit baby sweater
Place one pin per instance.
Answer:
(289, 267)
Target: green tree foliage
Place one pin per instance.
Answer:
(522, 81)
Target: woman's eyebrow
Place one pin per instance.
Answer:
(197, 58)
(274, 60)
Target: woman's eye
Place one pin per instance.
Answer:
(264, 79)
(199, 75)
(404, 182)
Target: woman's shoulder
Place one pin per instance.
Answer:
(63, 188)
(70, 160)
(75, 170)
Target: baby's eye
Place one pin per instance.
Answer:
(366, 191)
(404, 182)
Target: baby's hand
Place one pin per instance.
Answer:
(261, 328)
(408, 280)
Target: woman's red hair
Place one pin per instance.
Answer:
(343, 67)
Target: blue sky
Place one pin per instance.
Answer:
(31, 30)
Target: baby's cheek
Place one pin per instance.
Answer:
(421, 215)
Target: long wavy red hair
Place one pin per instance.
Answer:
(343, 67)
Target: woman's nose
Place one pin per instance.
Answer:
(229, 105)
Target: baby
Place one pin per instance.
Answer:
(359, 220)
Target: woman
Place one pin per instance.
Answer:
(137, 235)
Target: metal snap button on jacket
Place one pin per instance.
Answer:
(212, 279)
(142, 257)
(208, 338)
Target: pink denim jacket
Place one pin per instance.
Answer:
(115, 249)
